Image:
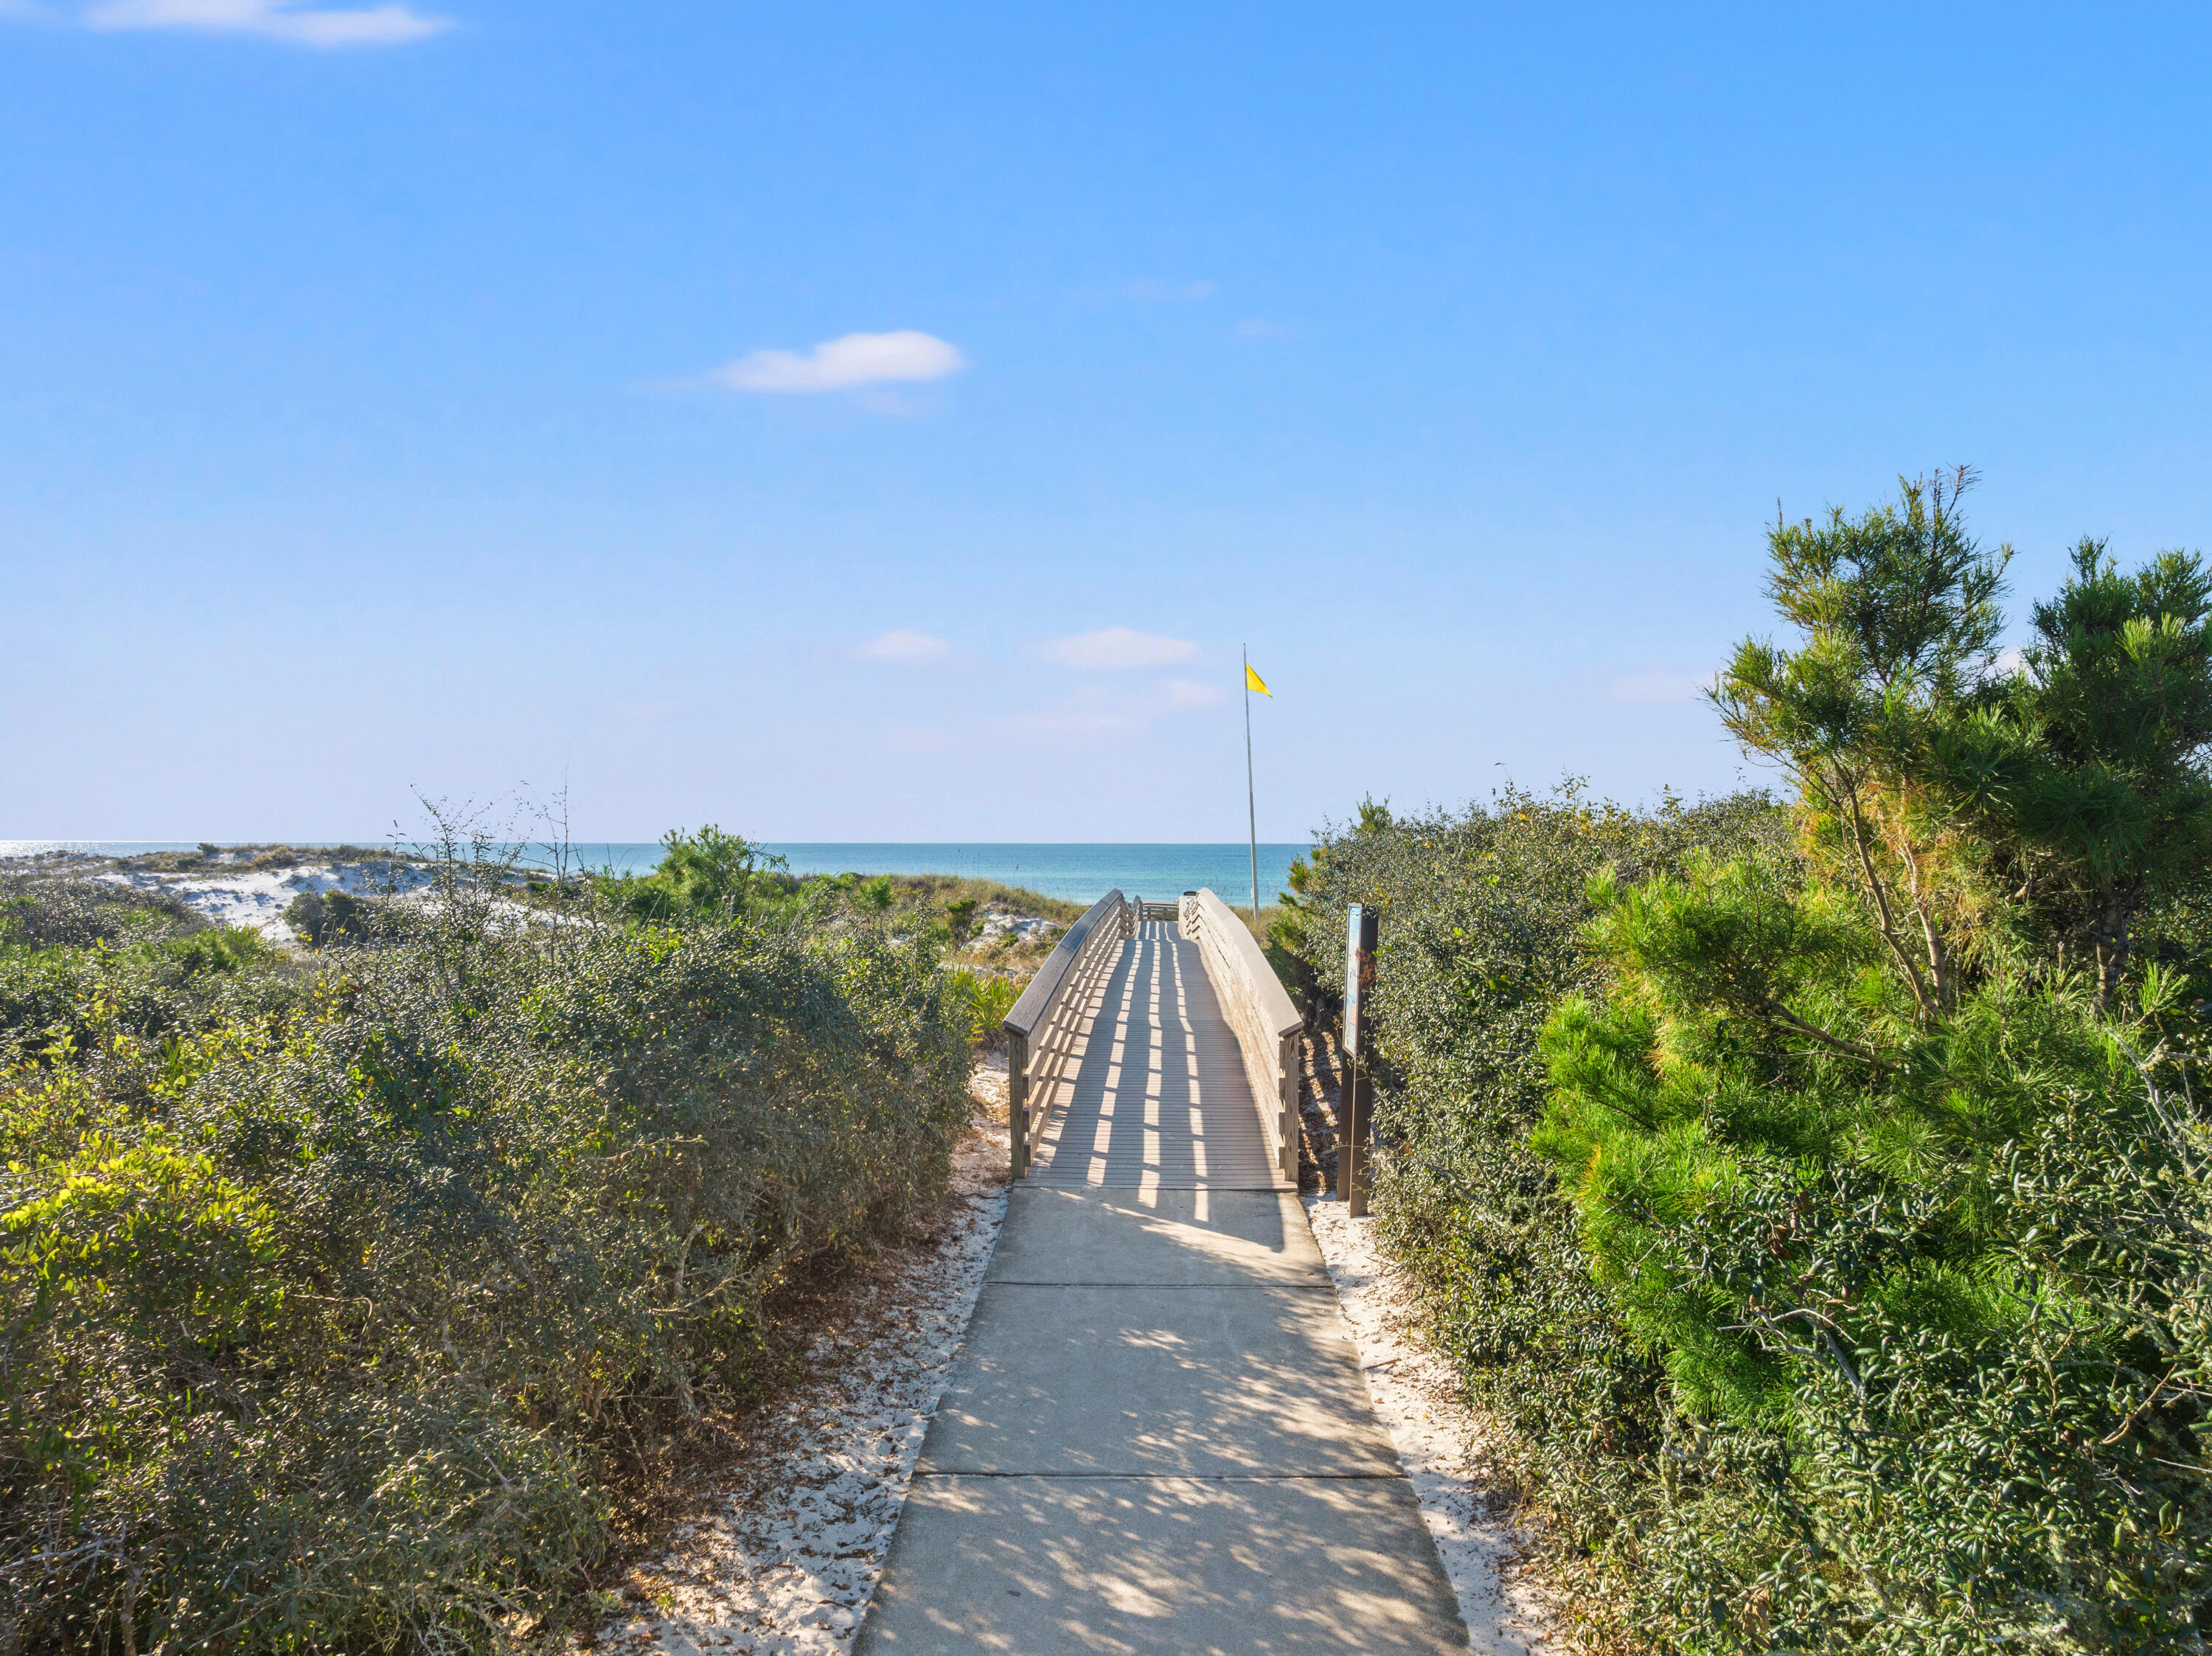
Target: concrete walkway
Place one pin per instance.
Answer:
(1156, 1438)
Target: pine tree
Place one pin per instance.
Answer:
(1880, 1146)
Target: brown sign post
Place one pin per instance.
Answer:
(1355, 1124)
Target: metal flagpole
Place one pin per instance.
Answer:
(1251, 810)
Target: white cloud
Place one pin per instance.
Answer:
(1112, 648)
(1189, 692)
(904, 647)
(840, 364)
(1656, 686)
(1258, 327)
(325, 27)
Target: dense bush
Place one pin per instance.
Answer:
(1482, 911)
(1887, 1152)
(324, 919)
(710, 872)
(1880, 1319)
(336, 1303)
(38, 912)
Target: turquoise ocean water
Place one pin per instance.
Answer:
(1080, 874)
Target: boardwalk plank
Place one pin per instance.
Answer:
(1156, 1095)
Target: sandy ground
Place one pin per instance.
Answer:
(259, 899)
(1439, 1442)
(1022, 928)
(786, 1559)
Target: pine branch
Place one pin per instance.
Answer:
(1886, 923)
(1777, 1013)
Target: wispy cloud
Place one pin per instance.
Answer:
(1170, 293)
(1114, 648)
(844, 363)
(904, 647)
(1189, 692)
(1652, 688)
(1258, 327)
(326, 28)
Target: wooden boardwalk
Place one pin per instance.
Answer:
(1155, 1440)
(1156, 1095)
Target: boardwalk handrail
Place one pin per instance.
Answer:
(1259, 1011)
(1042, 1028)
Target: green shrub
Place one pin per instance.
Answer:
(984, 999)
(1876, 1157)
(339, 1311)
(709, 872)
(324, 920)
(222, 949)
(55, 911)
(1481, 913)
(1855, 1291)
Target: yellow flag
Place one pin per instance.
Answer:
(1253, 681)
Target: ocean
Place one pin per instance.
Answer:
(1076, 874)
(1073, 873)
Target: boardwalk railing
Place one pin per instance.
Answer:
(1259, 1010)
(1046, 1022)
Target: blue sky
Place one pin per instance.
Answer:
(886, 422)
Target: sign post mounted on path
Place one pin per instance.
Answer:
(1355, 1119)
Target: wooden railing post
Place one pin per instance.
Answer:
(1355, 1114)
(1017, 1101)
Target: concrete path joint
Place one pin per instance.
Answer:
(1116, 1468)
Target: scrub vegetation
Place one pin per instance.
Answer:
(353, 1298)
(1813, 1188)
(1817, 1192)
(978, 922)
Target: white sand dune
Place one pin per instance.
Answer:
(260, 898)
